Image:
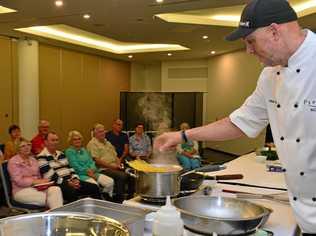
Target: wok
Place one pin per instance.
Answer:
(220, 215)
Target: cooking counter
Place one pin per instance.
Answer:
(281, 222)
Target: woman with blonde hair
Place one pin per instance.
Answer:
(83, 164)
(25, 175)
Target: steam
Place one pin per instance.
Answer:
(156, 110)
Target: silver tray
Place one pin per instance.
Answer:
(133, 218)
(61, 224)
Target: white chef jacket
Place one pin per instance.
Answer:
(286, 97)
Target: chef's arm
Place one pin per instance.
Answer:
(219, 130)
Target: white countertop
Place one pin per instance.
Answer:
(281, 222)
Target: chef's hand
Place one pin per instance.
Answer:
(167, 141)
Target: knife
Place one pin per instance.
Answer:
(251, 185)
(224, 177)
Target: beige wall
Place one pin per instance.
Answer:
(8, 86)
(145, 77)
(232, 78)
(78, 90)
(184, 76)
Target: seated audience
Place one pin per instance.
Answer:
(139, 144)
(10, 147)
(54, 166)
(24, 173)
(81, 161)
(105, 157)
(187, 153)
(38, 142)
(118, 139)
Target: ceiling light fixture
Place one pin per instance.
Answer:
(86, 16)
(6, 10)
(169, 54)
(213, 52)
(130, 56)
(205, 37)
(83, 38)
(59, 3)
(159, 1)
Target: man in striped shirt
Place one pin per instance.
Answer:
(54, 166)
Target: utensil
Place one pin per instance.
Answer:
(61, 223)
(250, 185)
(279, 197)
(220, 215)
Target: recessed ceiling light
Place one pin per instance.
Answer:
(169, 54)
(59, 3)
(213, 52)
(86, 16)
(205, 37)
(130, 56)
(159, 1)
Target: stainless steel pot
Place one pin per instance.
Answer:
(154, 185)
(61, 224)
(220, 215)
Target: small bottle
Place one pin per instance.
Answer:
(168, 221)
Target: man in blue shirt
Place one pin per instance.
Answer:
(118, 139)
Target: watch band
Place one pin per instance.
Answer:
(184, 136)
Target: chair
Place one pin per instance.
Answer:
(7, 187)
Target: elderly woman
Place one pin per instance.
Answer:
(10, 147)
(139, 144)
(187, 153)
(25, 175)
(83, 164)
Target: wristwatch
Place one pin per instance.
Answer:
(184, 136)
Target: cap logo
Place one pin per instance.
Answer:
(244, 24)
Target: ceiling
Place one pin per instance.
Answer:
(128, 21)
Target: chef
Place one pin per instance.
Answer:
(285, 97)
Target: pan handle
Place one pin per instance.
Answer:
(131, 173)
(207, 168)
(224, 177)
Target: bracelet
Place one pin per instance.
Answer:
(184, 136)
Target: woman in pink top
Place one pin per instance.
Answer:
(24, 173)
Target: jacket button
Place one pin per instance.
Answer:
(282, 138)
(278, 73)
(298, 140)
(278, 106)
(296, 105)
(298, 70)
(294, 198)
(302, 173)
(314, 199)
(284, 170)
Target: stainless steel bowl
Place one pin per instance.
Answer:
(224, 216)
(61, 224)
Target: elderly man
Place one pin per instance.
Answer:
(38, 141)
(105, 157)
(118, 139)
(54, 166)
(285, 96)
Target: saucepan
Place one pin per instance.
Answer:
(221, 215)
(153, 185)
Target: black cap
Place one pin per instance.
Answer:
(261, 13)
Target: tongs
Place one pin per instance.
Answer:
(207, 168)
